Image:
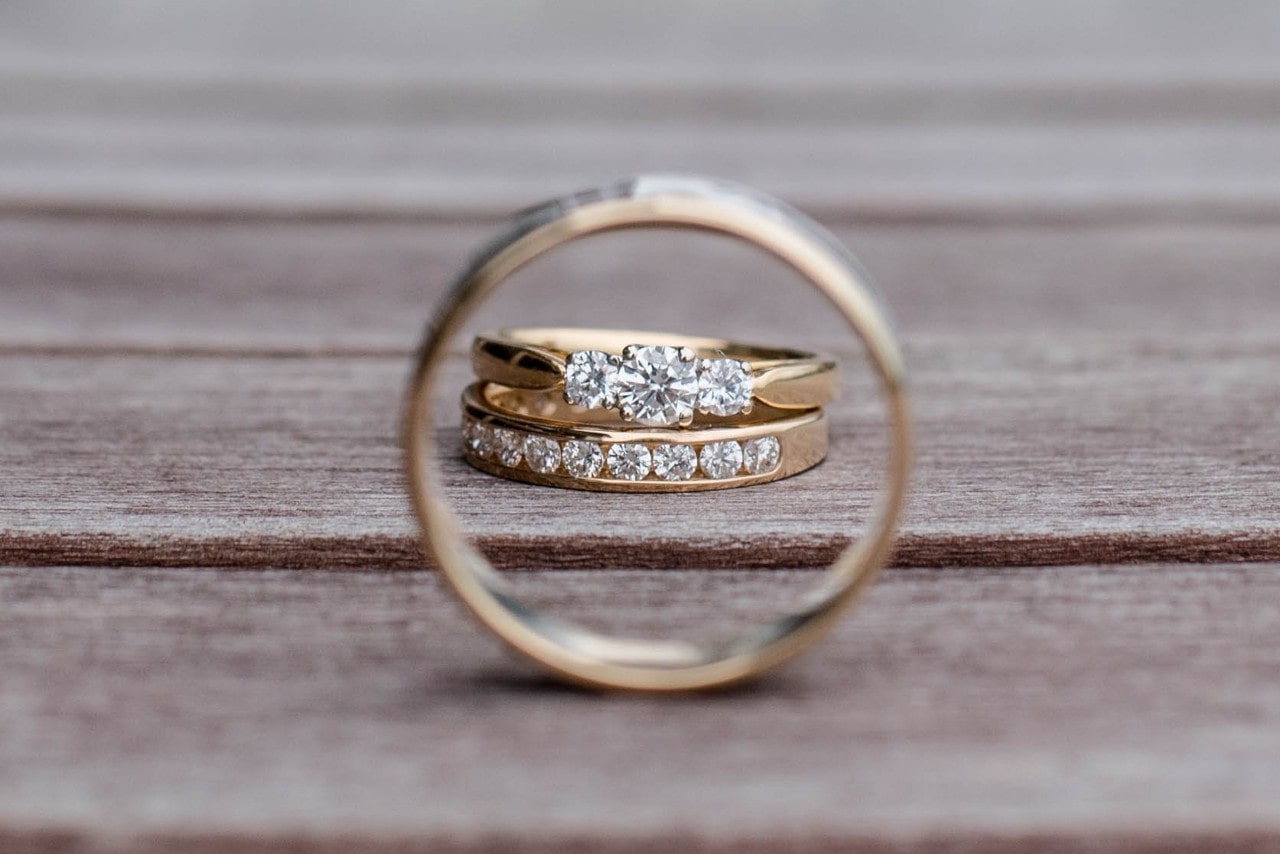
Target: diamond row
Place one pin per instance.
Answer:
(621, 460)
(656, 385)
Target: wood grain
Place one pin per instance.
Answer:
(1084, 394)
(1117, 110)
(1073, 709)
(1080, 449)
(222, 226)
(76, 284)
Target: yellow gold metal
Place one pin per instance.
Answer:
(802, 438)
(534, 358)
(571, 651)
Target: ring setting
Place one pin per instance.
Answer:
(658, 385)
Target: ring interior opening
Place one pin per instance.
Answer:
(567, 639)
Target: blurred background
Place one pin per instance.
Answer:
(866, 115)
(223, 224)
(887, 110)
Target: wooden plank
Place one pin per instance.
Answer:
(209, 286)
(1056, 380)
(981, 113)
(1075, 449)
(1003, 710)
(209, 376)
(665, 38)
(955, 174)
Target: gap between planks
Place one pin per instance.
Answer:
(531, 554)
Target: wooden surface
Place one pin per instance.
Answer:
(968, 709)
(222, 228)
(1056, 425)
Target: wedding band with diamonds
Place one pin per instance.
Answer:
(652, 378)
(502, 436)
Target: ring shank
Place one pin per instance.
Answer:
(571, 651)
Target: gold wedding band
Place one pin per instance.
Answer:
(536, 438)
(576, 653)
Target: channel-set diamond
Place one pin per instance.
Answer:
(720, 459)
(509, 446)
(674, 462)
(629, 461)
(542, 454)
(761, 455)
(479, 437)
(582, 459)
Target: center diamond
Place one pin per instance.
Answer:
(657, 386)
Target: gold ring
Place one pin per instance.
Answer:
(612, 369)
(576, 653)
(535, 438)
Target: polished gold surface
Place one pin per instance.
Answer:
(802, 439)
(534, 358)
(574, 652)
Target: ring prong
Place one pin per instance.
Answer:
(686, 420)
(629, 351)
(627, 413)
(687, 354)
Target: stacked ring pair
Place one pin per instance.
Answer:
(609, 410)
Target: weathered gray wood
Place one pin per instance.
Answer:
(212, 380)
(75, 284)
(1080, 448)
(1010, 710)
(719, 39)
(1084, 393)
(999, 175)
(1116, 109)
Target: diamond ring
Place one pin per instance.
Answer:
(655, 379)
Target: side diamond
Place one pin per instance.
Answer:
(510, 446)
(724, 386)
(674, 462)
(629, 461)
(542, 454)
(480, 439)
(590, 379)
(582, 459)
(761, 455)
(720, 459)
